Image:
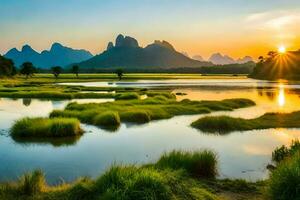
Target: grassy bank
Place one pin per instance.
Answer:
(284, 181)
(225, 124)
(160, 180)
(142, 111)
(44, 127)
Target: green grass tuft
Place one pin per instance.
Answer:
(32, 183)
(44, 127)
(107, 118)
(201, 164)
(138, 116)
(225, 124)
(127, 96)
(284, 181)
(284, 152)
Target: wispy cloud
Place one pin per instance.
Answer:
(274, 20)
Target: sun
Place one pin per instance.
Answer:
(282, 49)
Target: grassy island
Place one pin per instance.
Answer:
(225, 124)
(44, 127)
(142, 111)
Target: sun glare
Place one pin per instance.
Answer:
(282, 49)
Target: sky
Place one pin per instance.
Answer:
(198, 27)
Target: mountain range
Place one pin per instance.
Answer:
(58, 55)
(126, 52)
(219, 59)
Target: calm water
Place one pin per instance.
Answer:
(241, 154)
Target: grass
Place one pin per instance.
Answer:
(44, 127)
(152, 108)
(127, 96)
(225, 124)
(119, 182)
(284, 181)
(198, 164)
(107, 119)
(283, 152)
(32, 183)
(137, 116)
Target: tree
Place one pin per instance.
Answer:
(27, 69)
(7, 67)
(120, 73)
(75, 70)
(56, 71)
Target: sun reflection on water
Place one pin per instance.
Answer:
(281, 96)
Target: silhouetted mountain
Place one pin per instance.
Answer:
(219, 59)
(278, 66)
(127, 53)
(57, 55)
(244, 60)
(198, 57)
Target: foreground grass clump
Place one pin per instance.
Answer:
(284, 181)
(32, 183)
(224, 124)
(198, 164)
(44, 127)
(283, 152)
(152, 108)
(119, 182)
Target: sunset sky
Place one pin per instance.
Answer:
(233, 27)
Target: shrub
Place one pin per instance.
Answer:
(107, 118)
(137, 116)
(201, 164)
(44, 127)
(284, 181)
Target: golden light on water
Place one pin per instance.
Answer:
(281, 96)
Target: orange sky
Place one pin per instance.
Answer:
(198, 27)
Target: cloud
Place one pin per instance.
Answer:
(273, 20)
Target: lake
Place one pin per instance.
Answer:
(241, 154)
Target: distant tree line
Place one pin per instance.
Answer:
(278, 66)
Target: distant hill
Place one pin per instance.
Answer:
(58, 55)
(127, 53)
(278, 66)
(219, 59)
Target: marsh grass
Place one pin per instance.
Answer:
(44, 127)
(32, 183)
(137, 116)
(284, 181)
(201, 164)
(225, 124)
(127, 96)
(118, 182)
(107, 119)
(152, 108)
(283, 152)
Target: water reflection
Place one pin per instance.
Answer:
(55, 142)
(281, 96)
(26, 101)
(241, 154)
